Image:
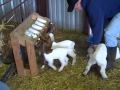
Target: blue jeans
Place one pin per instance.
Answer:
(112, 31)
(3, 86)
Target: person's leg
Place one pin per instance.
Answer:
(111, 34)
(111, 54)
(106, 23)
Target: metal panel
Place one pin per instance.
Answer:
(3, 11)
(19, 8)
(16, 2)
(7, 7)
(63, 19)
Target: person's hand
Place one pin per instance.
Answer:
(78, 6)
(91, 50)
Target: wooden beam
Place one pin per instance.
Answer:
(42, 7)
(32, 58)
(18, 57)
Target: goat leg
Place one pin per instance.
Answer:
(90, 63)
(52, 66)
(103, 73)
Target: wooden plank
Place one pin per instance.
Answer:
(18, 57)
(32, 58)
(42, 6)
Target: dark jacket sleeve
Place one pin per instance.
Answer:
(96, 19)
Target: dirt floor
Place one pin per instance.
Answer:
(71, 77)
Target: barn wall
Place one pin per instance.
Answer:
(19, 9)
(63, 19)
(57, 12)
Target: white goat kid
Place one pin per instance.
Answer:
(61, 55)
(99, 58)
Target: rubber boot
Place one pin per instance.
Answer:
(111, 55)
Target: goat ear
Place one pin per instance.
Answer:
(53, 28)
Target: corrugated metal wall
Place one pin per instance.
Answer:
(57, 12)
(63, 19)
(19, 8)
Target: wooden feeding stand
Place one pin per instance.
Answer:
(18, 38)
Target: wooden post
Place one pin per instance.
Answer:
(32, 58)
(18, 57)
(42, 7)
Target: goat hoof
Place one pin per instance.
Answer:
(105, 78)
(55, 69)
(1, 65)
(59, 70)
(73, 64)
(84, 73)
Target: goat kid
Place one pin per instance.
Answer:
(58, 53)
(61, 55)
(99, 58)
